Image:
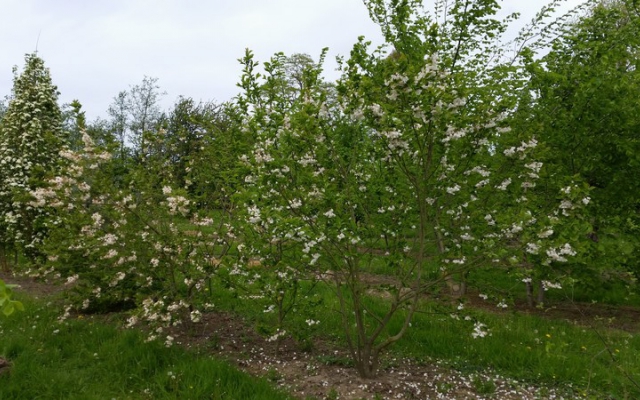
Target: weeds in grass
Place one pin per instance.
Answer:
(483, 385)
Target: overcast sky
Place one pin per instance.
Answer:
(98, 48)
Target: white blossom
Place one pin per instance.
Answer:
(532, 248)
(545, 234)
(330, 214)
(504, 184)
(453, 189)
(479, 330)
(546, 285)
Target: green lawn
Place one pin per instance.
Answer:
(82, 359)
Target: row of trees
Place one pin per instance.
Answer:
(435, 155)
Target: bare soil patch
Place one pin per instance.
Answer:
(33, 287)
(324, 373)
(590, 315)
(5, 366)
(626, 318)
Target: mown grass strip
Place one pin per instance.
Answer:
(83, 359)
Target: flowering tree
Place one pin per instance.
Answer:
(30, 138)
(124, 248)
(411, 163)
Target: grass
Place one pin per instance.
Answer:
(607, 291)
(83, 359)
(534, 349)
(530, 348)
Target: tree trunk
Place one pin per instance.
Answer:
(540, 298)
(529, 285)
(367, 362)
(456, 289)
(4, 265)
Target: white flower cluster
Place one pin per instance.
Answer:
(395, 142)
(479, 169)
(453, 133)
(559, 254)
(117, 278)
(43, 197)
(521, 150)
(178, 204)
(279, 333)
(453, 189)
(532, 248)
(195, 315)
(254, 214)
(504, 184)
(479, 330)
(546, 285)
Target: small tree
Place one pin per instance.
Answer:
(145, 112)
(74, 124)
(123, 247)
(119, 122)
(135, 114)
(413, 166)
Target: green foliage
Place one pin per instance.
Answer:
(200, 150)
(7, 304)
(75, 124)
(584, 109)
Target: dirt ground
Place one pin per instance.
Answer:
(34, 288)
(323, 371)
(589, 315)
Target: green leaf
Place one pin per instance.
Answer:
(8, 309)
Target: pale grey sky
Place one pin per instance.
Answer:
(97, 48)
